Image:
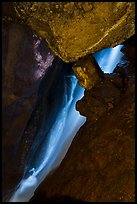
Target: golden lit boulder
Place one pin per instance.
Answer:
(75, 29)
(87, 71)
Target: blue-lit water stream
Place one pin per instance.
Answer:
(47, 154)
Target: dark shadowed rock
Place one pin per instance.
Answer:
(23, 68)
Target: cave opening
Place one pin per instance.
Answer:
(58, 97)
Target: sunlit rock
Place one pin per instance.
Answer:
(91, 68)
(88, 72)
(75, 29)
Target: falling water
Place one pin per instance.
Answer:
(109, 58)
(66, 125)
(53, 150)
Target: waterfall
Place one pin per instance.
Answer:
(109, 58)
(50, 146)
(51, 152)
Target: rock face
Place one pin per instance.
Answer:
(20, 69)
(75, 29)
(18, 97)
(87, 72)
(100, 164)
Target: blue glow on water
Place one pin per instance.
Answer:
(109, 58)
(60, 137)
(67, 123)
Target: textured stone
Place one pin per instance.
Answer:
(88, 72)
(75, 29)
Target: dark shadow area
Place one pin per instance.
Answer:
(60, 199)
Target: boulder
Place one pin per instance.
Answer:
(75, 29)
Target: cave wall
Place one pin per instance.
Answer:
(19, 98)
